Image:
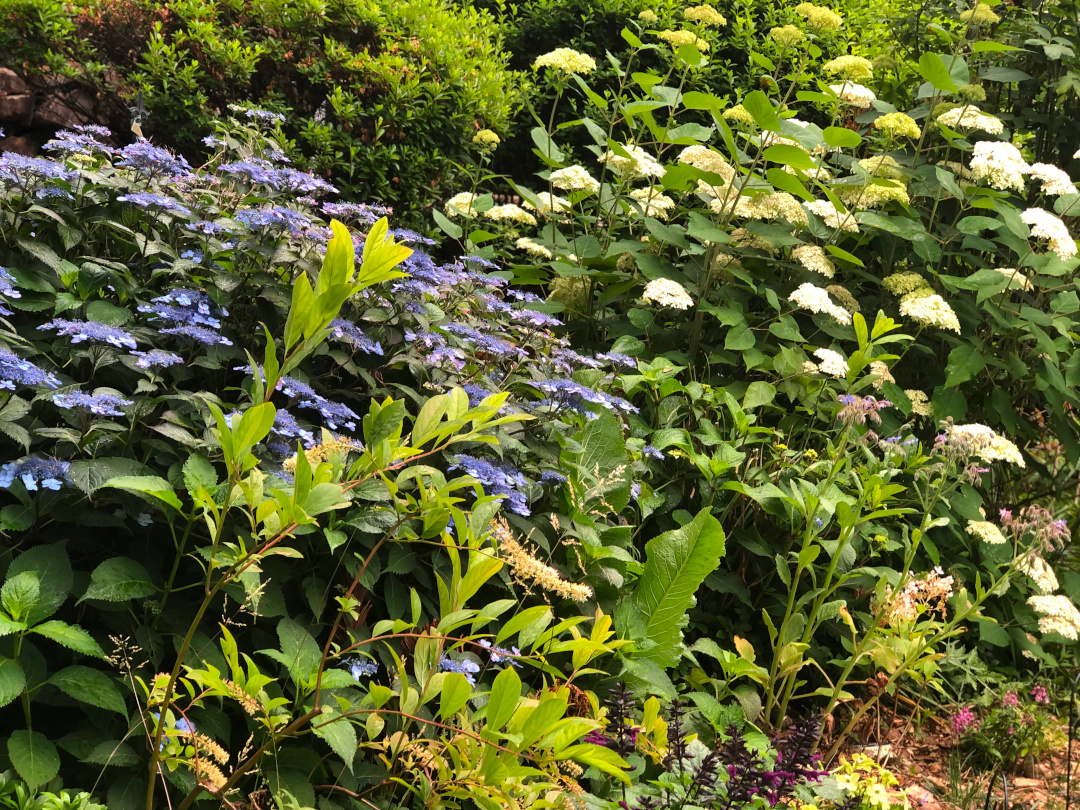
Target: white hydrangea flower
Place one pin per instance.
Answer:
(708, 160)
(574, 178)
(567, 60)
(882, 374)
(971, 118)
(1000, 164)
(549, 203)
(854, 94)
(1015, 277)
(900, 284)
(814, 259)
(982, 442)
(929, 310)
(840, 220)
(1057, 614)
(815, 299)
(832, 363)
(639, 164)
(667, 293)
(986, 531)
(1038, 570)
(920, 403)
(1045, 225)
(510, 213)
(533, 248)
(1055, 181)
(461, 205)
(653, 202)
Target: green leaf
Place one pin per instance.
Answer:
(964, 363)
(70, 636)
(932, 68)
(12, 681)
(841, 137)
(600, 472)
(336, 731)
(199, 472)
(20, 594)
(761, 110)
(456, 692)
(677, 562)
(150, 485)
(90, 686)
(503, 700)
(789, 156)
(119, 579)
(451, 229)
(53, 568)
(299, 652)
(254, 426)
(34, 757)
(758, 394)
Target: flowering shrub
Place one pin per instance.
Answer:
(845, 352)
(1017, 724)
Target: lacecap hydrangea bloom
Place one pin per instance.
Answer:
(705, 15)
(1045, 225)
(566, 60)
(574, 178)
(898, 125)
(667, 293)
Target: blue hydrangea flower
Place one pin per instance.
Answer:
(146, 199)
(254, 171)
(351, 333)
(500, 654)
(290, 386)
(207, 228)
(552, 477)
(617, 360)
(359, 212)
(79, 331)
(35, 473)
(410, 237)
(568, 393)
(186, 306)
(213, 142)
(302, 183)
(466, 667)
(144, 518)
(335, 413)
(101, 404)
(361, 667)
(156, 358)
(208, 337)
(534, 318)
(286, 427)
(143, 156)
(487, 344)
(497, 479)
(651, 452)
(266, 116)
(14, 370)
(276, 217)
(53, 193)
(19, 169)
(567, 360)
(83, 141)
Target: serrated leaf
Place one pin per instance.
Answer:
(34, 757)
(53, 568)
(199, 472)
(119, 579)
(677, 562)
(70, 636)
(12, 680)
(90, 686)
(150, 485)
(337, 732)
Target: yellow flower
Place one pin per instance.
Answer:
(566, 60)
(739, 115)
(679, 38)
(706, 15)
(787, 35)
(819, 18)
(850, 68)
(980, 15)
(898, 124)
(486, 139)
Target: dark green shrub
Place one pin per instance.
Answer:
(377, 97)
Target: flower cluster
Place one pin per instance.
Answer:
(566, 60)
(814, 298)
(530, 571)
(101, 404)
(80, 331)
(705, 15)
(1045, 225)
(636, 163)
(667, 293)
(1057, 614)
(36, 473)
(918, 596)
(981, 442)
(898, 125)
(970, 118)
(497, 479)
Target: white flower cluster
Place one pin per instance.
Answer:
(882, 374)
(929, 309)
(667, 293)
(832, 363)
(461, 205)
(986, 531)
(1000, 164)
(1045, 225)
(567, 60)
(574, 178)
(970, 118)
(917, 596)
(815, 299)
(1032, 565)
(813, 258)
(839, 220)
(901, 284)
(1015, 277)
(653, 202)
(854, 94)
(639, 164)
(1057, 614)
(920, 403)
(510, 213)
(982, 442)
(533, 248)
(701, 157)
(548, 203)
(1055, 181)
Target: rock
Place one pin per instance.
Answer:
(921, 797)
(66, 109)
(12, 84)
(16, 98)
(20, 145)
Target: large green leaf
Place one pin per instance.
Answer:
(119, 579)
(601, 474)
(33, 756)
(90, 686)
(70, 636)
(53, 570)
(677, 562)
(12, 681)
(337, 732)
